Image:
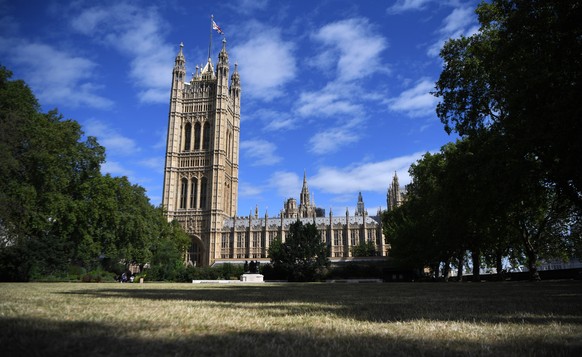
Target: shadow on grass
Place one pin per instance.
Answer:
(27, 337)
(506, 302)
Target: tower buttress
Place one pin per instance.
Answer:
(174, 133)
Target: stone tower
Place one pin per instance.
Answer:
(360, 209)
(202, 150)
(394, 195)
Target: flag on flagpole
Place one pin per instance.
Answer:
(217, 28)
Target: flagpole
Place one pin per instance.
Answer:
(210, 43)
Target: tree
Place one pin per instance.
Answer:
(364, 249)
(43, 165)
(303, 256)
(521, 76)
(56, 209)
(517, 83)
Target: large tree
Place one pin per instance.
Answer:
(521, 75)
(44, 163)
(303, 256)
(56, 209)
(517, 82)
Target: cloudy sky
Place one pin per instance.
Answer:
(337, 89)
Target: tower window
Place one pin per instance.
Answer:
(187, 136)
(206, 136)
(193, 192)
(183, 193)
(203, 189)
(197, 136)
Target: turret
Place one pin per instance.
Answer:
(178, 76)
(304, 196)
(180, 65)
(235, 85)
(394, 198)
(360, 206)
(222, 70)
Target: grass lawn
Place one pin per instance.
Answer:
(153, 319)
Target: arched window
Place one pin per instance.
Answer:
(228, 148)
(187, 136)
(206, 135)
(193, 192)
(203, 194)
(197, 136)
(183, 193)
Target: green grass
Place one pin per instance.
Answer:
(506, 318)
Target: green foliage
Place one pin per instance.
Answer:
(520, 76)
(364, 249)
(509, 187)
(303, 256)
(57, 210)
(512, 91)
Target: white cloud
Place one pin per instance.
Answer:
(155, 163)
(267, 63)
(332, 100)
(458, 20)
(115, 168)
(461, 21)
(416, 101)
(354, 57)
(114, 142)
(136, 32)
(55, 76)
(245, 189)
(406, 5)
(331, 139)
(373, 177)
(249, 6)
(342, 98)
(260, 152)
(287, 184)
(273, 120)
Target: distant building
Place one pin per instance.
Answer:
(395, 195)
(201, 177)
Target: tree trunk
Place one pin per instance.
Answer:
(499, 265)
(461, 266)
(475, 256)
(532, 265)
(532, 257)
(447, 270)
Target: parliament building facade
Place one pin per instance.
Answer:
(201, 178)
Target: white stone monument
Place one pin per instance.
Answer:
(251, 278)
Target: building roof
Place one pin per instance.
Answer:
(243, 222)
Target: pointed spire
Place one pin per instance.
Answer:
(360, 206)
(180, 65)
(304, 199)
(223, 56)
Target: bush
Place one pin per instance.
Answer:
(97, 276)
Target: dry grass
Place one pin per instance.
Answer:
(509, 318)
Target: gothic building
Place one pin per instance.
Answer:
(394, 196)
(201, 177)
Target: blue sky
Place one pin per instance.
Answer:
(338, 89)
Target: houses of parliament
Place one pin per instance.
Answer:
(201, 178)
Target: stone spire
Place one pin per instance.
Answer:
(394, 196)
(180, 63)
(304, 199)
(360, 207)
